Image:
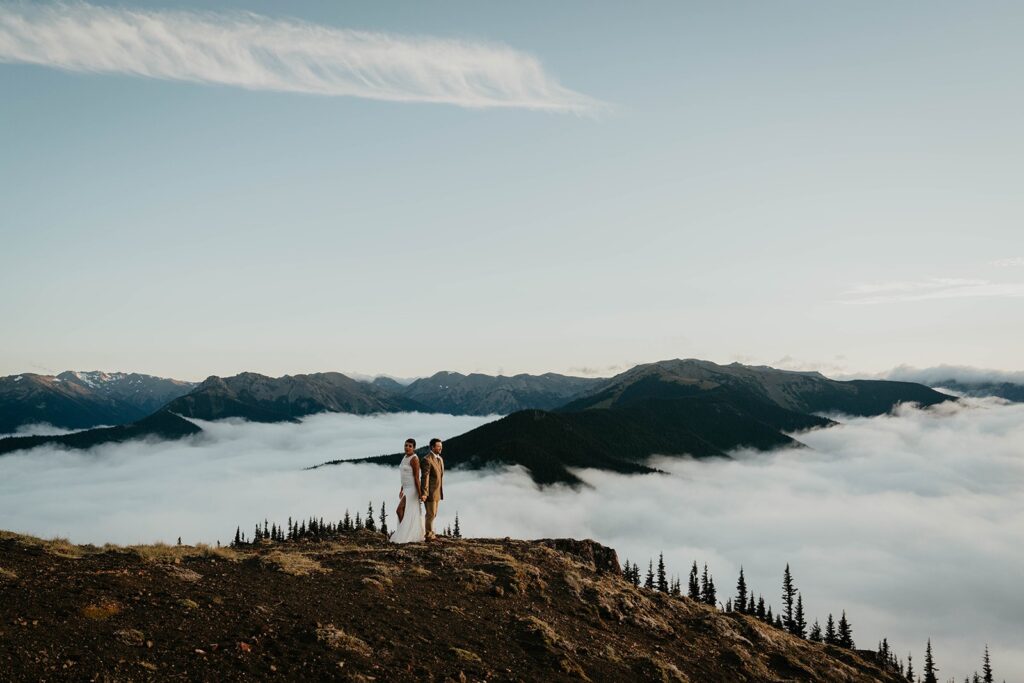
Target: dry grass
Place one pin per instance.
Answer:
(339, 640)
(155, 552)
(293, 563)
(7, 575)
(166, 553)
(465, 655)
(101, 610)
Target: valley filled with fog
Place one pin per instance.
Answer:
(912, 522)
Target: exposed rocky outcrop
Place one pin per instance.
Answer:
(360, 609)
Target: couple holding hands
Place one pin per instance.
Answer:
(421, 482)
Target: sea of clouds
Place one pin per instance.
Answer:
(912, 522)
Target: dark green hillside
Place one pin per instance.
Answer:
(160, 425)
(804, 392)
(549, 444)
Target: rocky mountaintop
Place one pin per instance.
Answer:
(80, 400)
(479, 394)
(359, 609)
(260, 398)
(804, 392)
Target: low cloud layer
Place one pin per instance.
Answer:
(259, 53)
(911, 523)
(965, 374)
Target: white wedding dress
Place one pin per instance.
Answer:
(411, 528)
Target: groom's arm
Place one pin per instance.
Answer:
(425, 477)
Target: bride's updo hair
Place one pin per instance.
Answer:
(412, 441)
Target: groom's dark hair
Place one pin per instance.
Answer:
(412, 441)
(433, 441)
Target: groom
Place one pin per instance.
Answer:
(432, 484)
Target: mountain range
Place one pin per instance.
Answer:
(80, 400)
(676, 407)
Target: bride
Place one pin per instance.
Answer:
(410, 512)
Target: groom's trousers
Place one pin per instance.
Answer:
(430, 507)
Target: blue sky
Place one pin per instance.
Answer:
(809, 186)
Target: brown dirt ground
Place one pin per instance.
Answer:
(360, 609)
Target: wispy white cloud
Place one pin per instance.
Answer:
(251, 51)
(932, 288)
(1009, 262)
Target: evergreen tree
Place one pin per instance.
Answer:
(761, 614)
(712, 598)
(778, 622)
(768, 618)
(693, 589)
(704, 585)
(799, 623)
(845, 633)
(383, 520)
(291, 530)
(636, 575)
(929, 665)
(986, 667)
(302, 529)
(370, 524)
(830, 631)
(359, 523)
(751, 607)
(974, 679)
(910, 668)
(815, 635)
(677, 587)
(456, 530)
(880, 653)
(728, 605)
(649, 581)
(741, 593)
(258, 535)
(346, 522)
(788, 596)
(266, 529)
(238, 535)
(662, 578)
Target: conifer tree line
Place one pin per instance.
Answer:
(792, 618)
(317, 529)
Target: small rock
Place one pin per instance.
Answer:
(130, 636)
(497, 591)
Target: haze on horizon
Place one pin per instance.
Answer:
(800, 185)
